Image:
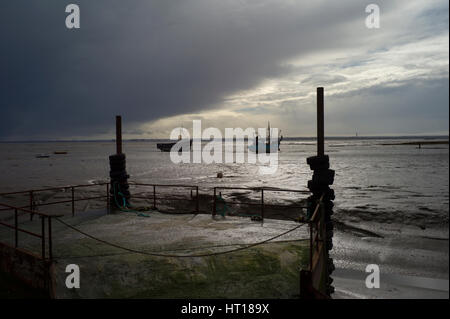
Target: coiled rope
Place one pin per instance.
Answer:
(126, 207)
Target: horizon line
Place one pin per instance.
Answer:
(284, 137)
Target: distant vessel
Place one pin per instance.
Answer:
(167, 147)
(42, 156)
(268, 147)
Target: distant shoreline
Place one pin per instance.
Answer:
(305, 138)
(418, 142)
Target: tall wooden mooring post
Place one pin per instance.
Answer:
(119, 188)
(319, 186)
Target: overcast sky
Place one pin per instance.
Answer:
(161, 64)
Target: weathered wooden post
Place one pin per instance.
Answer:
(118, 134)
(214, 204)
(197, 202)
(322, 178)
(320, 123)
(119, 190)
(154, 196)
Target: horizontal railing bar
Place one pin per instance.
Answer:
(88, 198)
(241, 203)
(30, 211)
(265, 205)
(21, 230)
(54, 203)
(52, 188)
(173, 198)
(284, 206)
(69, 201)
(163, 198)
(141, 197)
(263, 188)
(12, 216)
(158, 185)
(161, 185)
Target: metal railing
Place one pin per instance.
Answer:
(32, 206)
(154, 198)
(32, 196)
(42, 235)
(313, 280)
(261, 203)
(317, 235)
(315, 222)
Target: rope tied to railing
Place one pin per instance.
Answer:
(126, 207)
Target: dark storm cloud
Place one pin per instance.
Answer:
(151, 59)
(146, 59)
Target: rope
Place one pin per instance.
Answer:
(197, 248)
(125, 208)
(172, 255)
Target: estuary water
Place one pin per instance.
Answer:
(373, 181)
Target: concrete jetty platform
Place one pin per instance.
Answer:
(270, 270)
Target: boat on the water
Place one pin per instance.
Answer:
(167, 147)
(42, 156)
(269, 146)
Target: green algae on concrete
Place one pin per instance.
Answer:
(268, 271)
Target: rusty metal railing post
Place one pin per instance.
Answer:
(107, 198)
(197, 203)
(73, 201)
(50, 253)
(262, 205)
(310, 245)
(31, 204)
(43, 236)
(154, 196)
(16, 229)
(214, 203)
(322, 234)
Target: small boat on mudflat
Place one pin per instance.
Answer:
(42, 156)
(167, 147)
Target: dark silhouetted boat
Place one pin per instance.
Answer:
(42, 156)
(167, 147)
